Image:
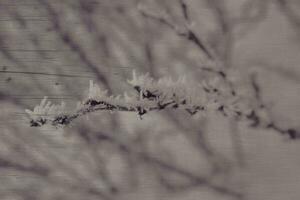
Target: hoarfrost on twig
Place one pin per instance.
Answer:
(210, 95)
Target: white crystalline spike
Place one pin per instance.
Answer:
(50, 111)
(133, 81)
(127, 98)
(95, 91)
(90, 85)
(161, 82)
(36, 109)
(91, 89)
(133, 75)
(104, 93)
(43, 101)
(63, 104)
(29, 112)
(47, 106)
(78, 105)
(59, 109)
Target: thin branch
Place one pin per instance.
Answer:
(160, 95)
(289, 13)
(187, 33)
(195, 180)
(184, 10)
(291, 132)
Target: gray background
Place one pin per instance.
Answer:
(53, 48)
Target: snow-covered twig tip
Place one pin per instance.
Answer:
(45, 111)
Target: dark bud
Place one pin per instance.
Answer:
(292, 133)
(34, 123)
(137, 88)
(175, 105)
(221, 108)
(149, 95)
(141, 111)
(222, 74)
(92, 102)
(61, 120)
(255, 120)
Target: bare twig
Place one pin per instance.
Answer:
(187, 33)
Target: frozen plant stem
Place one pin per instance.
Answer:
(213, 95)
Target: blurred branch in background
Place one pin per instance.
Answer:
(52, 48)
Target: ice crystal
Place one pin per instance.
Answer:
(45, 111)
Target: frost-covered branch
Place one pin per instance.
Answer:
(148, 95)
(212, 95)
